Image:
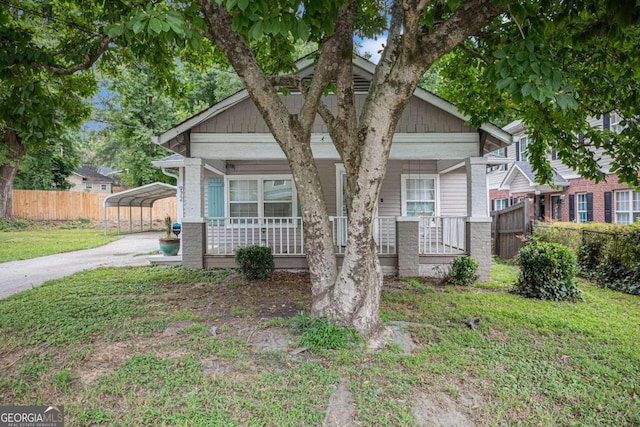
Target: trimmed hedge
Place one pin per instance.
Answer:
(606, 253)
(255, 262)
(547, 271)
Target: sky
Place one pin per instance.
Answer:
(373, 47)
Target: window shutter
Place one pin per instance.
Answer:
(517, 151)
(606, 122)
(589, 207)
(607, 206)
(572, 207)
(216, 198)
(554, 155)
(580, 137)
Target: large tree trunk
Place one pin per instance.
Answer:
(352, 295)
(14, 151)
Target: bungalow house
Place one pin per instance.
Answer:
(85, 179)
(572, 197)
(238, 189)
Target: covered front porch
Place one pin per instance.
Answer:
(438, 238)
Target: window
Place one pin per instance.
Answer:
(501, 152)
(523, 144)
(88, 185)
(260, 197)
(616, 125)
(627, 206)
(499, 204)
(103, 187)
(419, 195)
(582, 207)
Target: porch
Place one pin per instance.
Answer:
(433, 240)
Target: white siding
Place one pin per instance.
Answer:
(520, 184)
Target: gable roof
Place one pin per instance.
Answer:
(525, 169)
(91, 175)
(363, 71)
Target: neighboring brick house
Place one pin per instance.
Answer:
(85, 179)
(572, 198)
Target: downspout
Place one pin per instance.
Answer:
(169, 173)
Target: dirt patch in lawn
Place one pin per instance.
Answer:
(254, 313)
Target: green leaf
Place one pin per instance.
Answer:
(155, 25)
(303, 31)
(503, 83)
(138, 26)
(526, 89)
(499, 54)
(242, 4)
(114, 30)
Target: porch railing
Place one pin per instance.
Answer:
(284, 235)
(384, 233)
(442, 235)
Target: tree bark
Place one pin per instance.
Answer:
(14, 151)
(352, 295)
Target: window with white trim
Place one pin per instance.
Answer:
(581, 207)
(616, 120)
(627, 206)
(499, 204)
(419, 195)
(88, 185)
(270, 197)
(103, 187)
(523, 144)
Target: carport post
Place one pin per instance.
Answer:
(118, 217)
(105, 220)
(130, 219)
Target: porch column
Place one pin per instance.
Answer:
(478, 227)
(407, 232)
(193, 223)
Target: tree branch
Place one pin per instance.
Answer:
(474, 53)
(89, 60)
(335, 47)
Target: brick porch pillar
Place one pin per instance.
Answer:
(478, 226)
(407, 232)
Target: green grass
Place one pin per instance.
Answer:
(528, 363)
(19, 245)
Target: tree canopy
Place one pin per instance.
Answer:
(552, 63)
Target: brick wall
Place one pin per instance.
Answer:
(578, 185)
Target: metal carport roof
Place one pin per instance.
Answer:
(142, 197)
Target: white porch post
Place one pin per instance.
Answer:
(193, 223)
(478, 225)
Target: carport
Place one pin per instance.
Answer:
(139, 197)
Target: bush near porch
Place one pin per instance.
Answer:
(606, 253)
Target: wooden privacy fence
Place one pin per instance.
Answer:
(507, 227)
(38, 205)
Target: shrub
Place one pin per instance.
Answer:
(255, 262)
(320, 333)
(619, 267)
(547, 271)
(590, 255)
(464, 271)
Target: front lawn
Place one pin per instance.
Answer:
(167, 346)
(19, 245)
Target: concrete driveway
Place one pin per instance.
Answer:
(16, 276)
